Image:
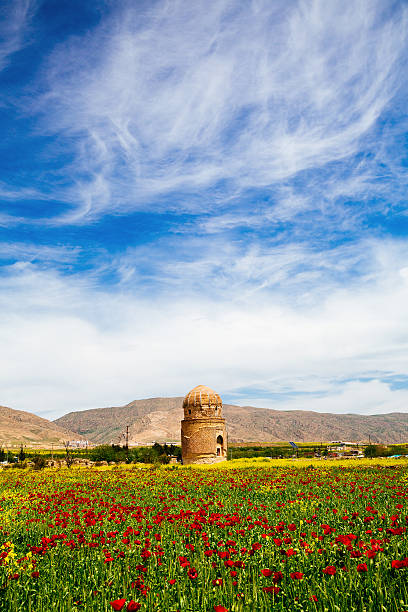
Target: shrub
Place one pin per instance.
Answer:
(39, 462)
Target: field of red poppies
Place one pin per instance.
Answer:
(254, 538)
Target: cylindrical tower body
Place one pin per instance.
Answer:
(203, 432)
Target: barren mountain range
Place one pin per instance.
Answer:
(20, 427)
(158, 419)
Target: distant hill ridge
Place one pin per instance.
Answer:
(158, 419)
(20, 427)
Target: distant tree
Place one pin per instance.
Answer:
(158, 448)
(155, 454)
(370, 451)
(107, 452)
(69, 458)
(176, 451)
(2, 454)
(21, 454)
(103, 452)
(148, 455)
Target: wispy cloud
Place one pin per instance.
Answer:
(293, 272)
(15, 17)
(174, 100)
(23, 252)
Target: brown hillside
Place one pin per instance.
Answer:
(158, 419)
(20, 427)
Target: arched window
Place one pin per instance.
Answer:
(219, 440)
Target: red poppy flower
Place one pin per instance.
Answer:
(354, 554)
(118, 604)
(220, 609)
(192, 573)
(371, 554)
(267, 573)
(133, 606)
(330, 570)
(398, 564)
(172, 581)
(296, 575)
(362, 567)
(271, 589)
(277, 576)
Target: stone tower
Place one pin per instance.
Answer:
(203, 432)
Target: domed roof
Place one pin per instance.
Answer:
(202, 396)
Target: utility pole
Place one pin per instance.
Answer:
(127, 444)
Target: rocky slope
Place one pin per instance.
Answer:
(20, 427)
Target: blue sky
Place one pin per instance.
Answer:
(204, 193)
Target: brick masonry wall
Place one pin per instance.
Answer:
(199, 439)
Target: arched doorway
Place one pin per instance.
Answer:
(220, 446)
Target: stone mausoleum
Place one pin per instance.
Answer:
(203, 432)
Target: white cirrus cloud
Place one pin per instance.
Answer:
(174, 99)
